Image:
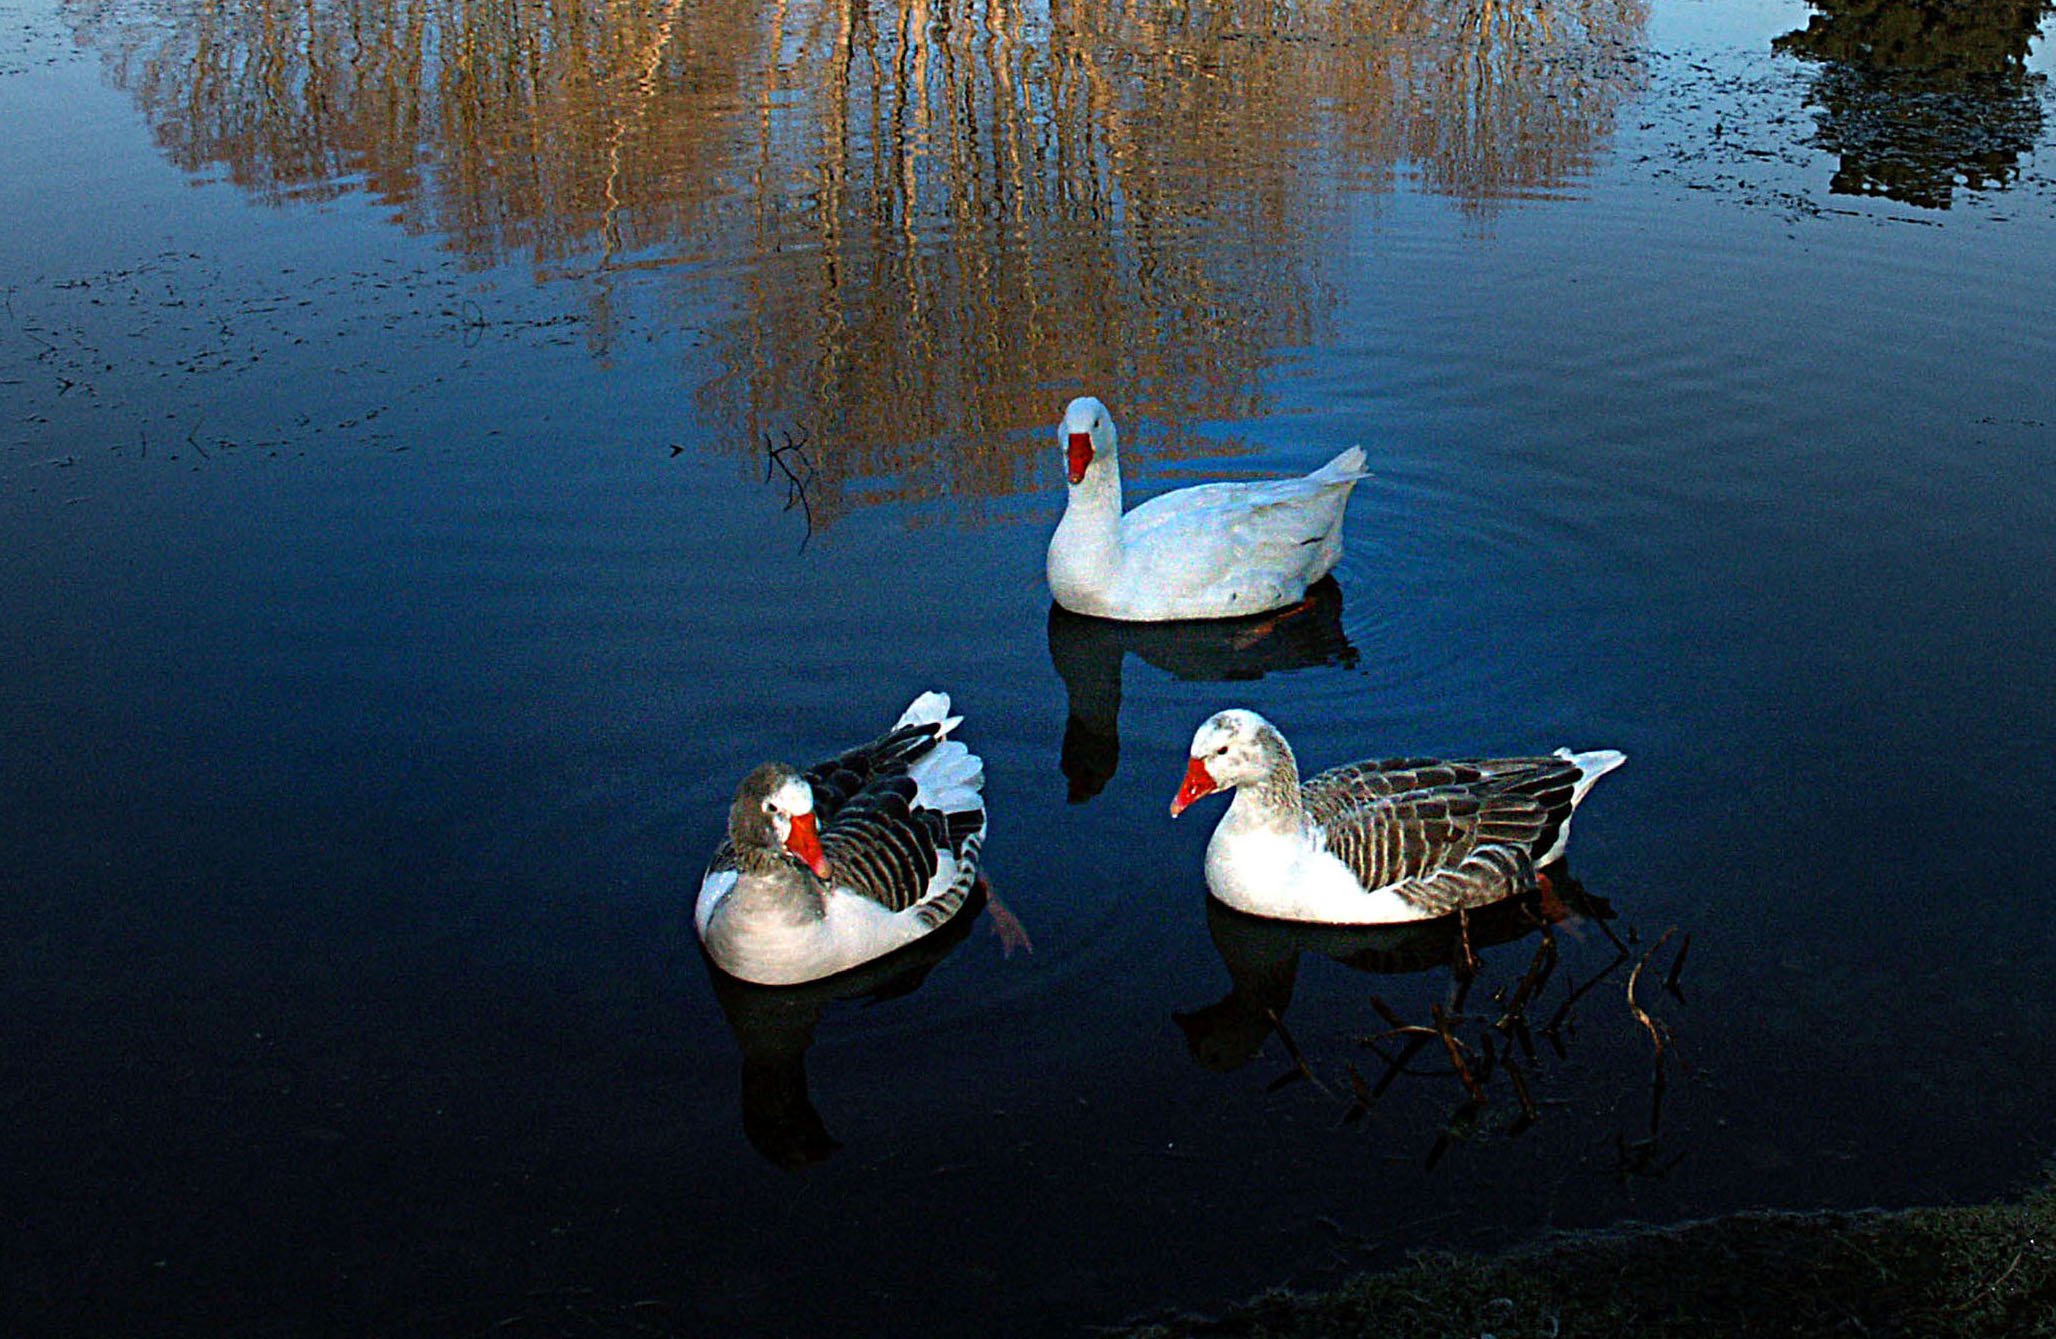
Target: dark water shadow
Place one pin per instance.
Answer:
(1489, 1043)
(1088, 652)
(1262, 957)
(1922, 98)
(774, 1026)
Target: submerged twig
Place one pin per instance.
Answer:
(1299, 1064)
(1563, 1010)
(1466, 967)
(1397, 1065)
(1456, 1050)
(1528, 1114)
(1658, 1034)
(1531, 982)
(1361, 1095)
(1387, 1012)
(1670, 980)
(1634, 1006)
(1461, 1124)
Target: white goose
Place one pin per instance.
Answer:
(1372, 843)
(858, 856)
(1215, 551)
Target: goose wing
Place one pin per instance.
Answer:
(1233, 518)
(902, 818)
(838, 780)
(1364, 781)
(1440, 847)
(885, 846)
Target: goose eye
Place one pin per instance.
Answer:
(1221, 751)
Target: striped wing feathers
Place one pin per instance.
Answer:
(837, 780)
(1364, 782)
(1443, 835)
(884, 847)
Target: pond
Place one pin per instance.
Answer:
(446, 446)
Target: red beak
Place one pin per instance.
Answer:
(804, 841)
(1080, 455)
(1198, 783)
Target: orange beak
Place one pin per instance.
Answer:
(1080, 455)
(1198, 783)
(804, 841)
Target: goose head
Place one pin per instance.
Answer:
(1230, 749)
(1087, 434)
(774, 811)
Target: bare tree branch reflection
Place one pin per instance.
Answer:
(916, 224)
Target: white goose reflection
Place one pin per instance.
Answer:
(1088, 654)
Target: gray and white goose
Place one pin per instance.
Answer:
(857, 856)
(1372, 843)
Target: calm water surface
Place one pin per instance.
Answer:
(397, 583)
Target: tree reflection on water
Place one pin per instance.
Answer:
(920, 221)
(1920, 97)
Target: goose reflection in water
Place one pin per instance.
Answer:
(775, 1025)
(1920, 97)
(1088, 652)
(1262, 956)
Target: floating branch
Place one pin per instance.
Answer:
(796, 481)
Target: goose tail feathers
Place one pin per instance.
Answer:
(1347, 467)
(931, 708)
(950, 775)
(1591, 766)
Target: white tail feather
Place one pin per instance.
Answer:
(931, 708)
(949, 777)
(1594, 764)
(1348, 465)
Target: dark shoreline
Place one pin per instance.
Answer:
(1949, 1273)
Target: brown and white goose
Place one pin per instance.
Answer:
(843, 863)
(1371, 843)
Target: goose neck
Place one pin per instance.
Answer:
(1273, 800)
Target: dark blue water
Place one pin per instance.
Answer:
(395, 592)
